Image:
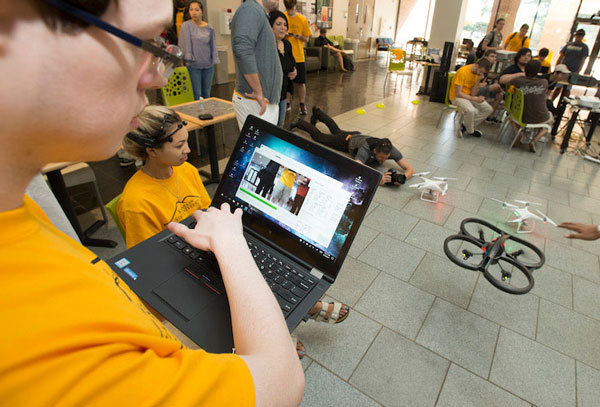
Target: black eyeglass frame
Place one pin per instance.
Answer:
(125, 36)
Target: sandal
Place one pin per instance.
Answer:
(334, 317)
(302, 351)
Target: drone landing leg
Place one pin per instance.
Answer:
(434, 195)
(521, 230)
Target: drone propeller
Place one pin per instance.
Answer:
(444, 179)
(419, 185)
(546, 218)
(505, 204)
(527, 203)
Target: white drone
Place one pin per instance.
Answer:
(433, 186)
(522, 217)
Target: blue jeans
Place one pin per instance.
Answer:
(282, 107)
(201, 81)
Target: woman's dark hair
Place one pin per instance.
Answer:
(57, 19)
(186, 13)
(520, 53)
(274, 15)
(497, 21)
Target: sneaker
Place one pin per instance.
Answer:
(288, 107)
(532, 147)
(303, 110)
(476, 133)
(125, 162)
(313, 118)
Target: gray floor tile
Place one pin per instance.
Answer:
(464, 389)
(590, 246)
(339, 347)
(391, 222)
(490, 152)
(428, 236)
(532, 371)
(523, 160)
(511, 182)
(492, 212)
(572, 260)
(586, 297)
(553, 285)
(460, 336)
(588, 386)
(432, 212)
(499, 165)
(468, 157)
(363, 238)
(549, 193)
(467, 201)
(569, 185)
(412, 375)
(583, 202)
(392, 256)
(563, 213)
(460, 182)
(532, 175)
(396, 304)
(352, 281)
(550, 169)
(517, 312)
(325, 389)
(305, 361)
(440, 277)
(476, 171)
(487, 189)
(456, 217)
(446, 163)
(393, 197)
(569, 332)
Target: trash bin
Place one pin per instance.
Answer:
(222, 69)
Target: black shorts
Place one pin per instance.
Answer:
(301, 69)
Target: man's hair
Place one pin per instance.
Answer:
(524, 26)
(498, 21)
(520, 53)
(274, 15)
(383, 145)
(290, 4)
(533, 68)
(58, 20)
(484, 63)
(489, 52)
(543, 53)
(323, 31)
(156, 121)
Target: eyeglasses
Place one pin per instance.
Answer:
(168, 56)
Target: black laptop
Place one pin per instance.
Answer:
(303, 204)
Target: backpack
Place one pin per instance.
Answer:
(479, 53)
(513, 36)
(348, 64)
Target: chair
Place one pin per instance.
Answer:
(383, 44)
(506, 106)
(397, 66)
(516, 114)
(79, 174)
(112, 209)
(450, 106)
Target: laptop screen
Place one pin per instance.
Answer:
(305, 198)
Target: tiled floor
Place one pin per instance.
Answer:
(423, 332)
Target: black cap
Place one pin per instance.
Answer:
(580, 32)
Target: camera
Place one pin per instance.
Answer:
(396, 178)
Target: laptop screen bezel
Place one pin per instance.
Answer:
(272, 232)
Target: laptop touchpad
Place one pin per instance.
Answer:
(184, 294)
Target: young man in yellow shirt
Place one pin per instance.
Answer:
(474, 108)
(298, 35)
(517, 40)
(74, 333)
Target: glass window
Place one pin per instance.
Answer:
(476, 21)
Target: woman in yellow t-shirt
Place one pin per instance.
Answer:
(167, 188)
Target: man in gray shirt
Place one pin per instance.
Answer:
(371, 151)
(258, 70)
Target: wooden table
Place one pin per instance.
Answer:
(429, 66)
(59, 189)
(221, 110)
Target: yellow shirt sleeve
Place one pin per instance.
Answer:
(77, 335)
(464, 78)
(288, 177)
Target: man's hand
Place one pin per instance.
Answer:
(479, 99)
(584, 232)
(387, 178)
(215, 229)
(262, 101)
(293, 74)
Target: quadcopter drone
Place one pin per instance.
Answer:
(433, 186)
(505, 260)
(523, 217)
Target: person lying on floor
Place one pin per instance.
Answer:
(371, 151)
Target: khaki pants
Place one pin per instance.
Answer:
(474, 113)
(243, 107)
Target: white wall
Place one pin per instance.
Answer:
(214, 8)
(384, 22)
(447, 24)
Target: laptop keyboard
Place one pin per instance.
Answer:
(288, 283)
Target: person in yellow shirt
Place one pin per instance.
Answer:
(167, 188)
(517, 40)
(283, 188)
(474, 108)
(74, 333)
(543, 58)
(298, 35)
